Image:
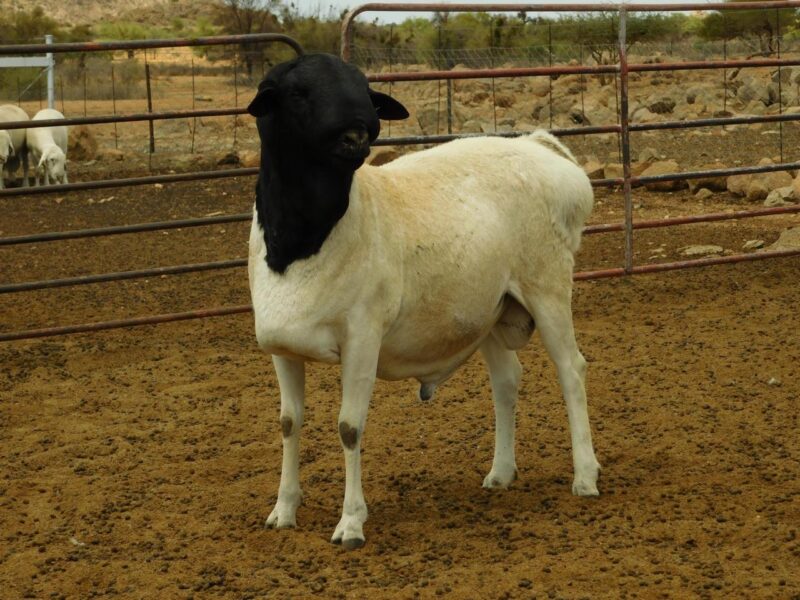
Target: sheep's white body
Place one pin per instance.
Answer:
(48, 148)
(440, 253)
(13, 150)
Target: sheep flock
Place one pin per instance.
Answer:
(44, 147)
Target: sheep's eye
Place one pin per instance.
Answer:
(299, 94)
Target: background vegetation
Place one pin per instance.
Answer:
(443, 40)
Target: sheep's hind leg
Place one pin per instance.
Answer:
(553, 315)
(291, 378)
(504, 373)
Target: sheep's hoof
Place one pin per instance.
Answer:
(500, 480)
(426, 391)
(281, 518)
(352, 543)
(586, 484)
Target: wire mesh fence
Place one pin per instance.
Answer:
(376, 58)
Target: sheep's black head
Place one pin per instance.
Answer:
(321, 108)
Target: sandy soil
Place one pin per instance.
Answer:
(142, 463)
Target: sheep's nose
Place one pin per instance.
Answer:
(355, 139)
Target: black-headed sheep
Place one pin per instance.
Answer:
(406, 270)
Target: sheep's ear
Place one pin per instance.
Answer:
(387, 107)
(263, 102)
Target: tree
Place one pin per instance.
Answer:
(241, 17)
(765, 26)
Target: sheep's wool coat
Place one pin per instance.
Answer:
(433, 249)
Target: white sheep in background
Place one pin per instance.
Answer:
(48, 148)
(406, 270)
(13, 149)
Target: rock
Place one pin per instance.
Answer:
(661, 105)
(649, 155)
(643, 115)
(752, 89)
(249, 158)
(616, 171)
(594, 169)
(431, 119)
(780, 196)
(753, 245)
(472, 126)
(504, 100)
(540, 86)
(788, 240)
(701, 250)
(82, 144)
(715, 184)
(229, 158)
(756, 190)
(663, 167)
(703, 194)
(757, 186)
(110, 154)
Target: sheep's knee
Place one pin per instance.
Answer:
(287, 426)
(349, 435)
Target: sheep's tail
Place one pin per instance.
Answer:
(575, 198)
(548, 139)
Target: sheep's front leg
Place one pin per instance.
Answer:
(359, 365)
(291, 378)
(25, 167)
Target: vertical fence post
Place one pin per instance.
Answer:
(550, 64)
(149, 105)
(194, 100)
(114, 104)
(391, 66)
(780, 78)
(84, 90)
(235, 96)
(491, 64)
(51, 74)
(625, 138)
(439, 83)
(724, 70)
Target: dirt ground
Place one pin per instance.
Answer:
(142, 463)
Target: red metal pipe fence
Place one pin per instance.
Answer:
(623, 129)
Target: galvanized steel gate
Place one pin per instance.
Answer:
(622, 128)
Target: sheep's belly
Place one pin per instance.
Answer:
(431, 353)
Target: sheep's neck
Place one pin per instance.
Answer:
(297, 210)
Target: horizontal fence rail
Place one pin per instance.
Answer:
(217, 40)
